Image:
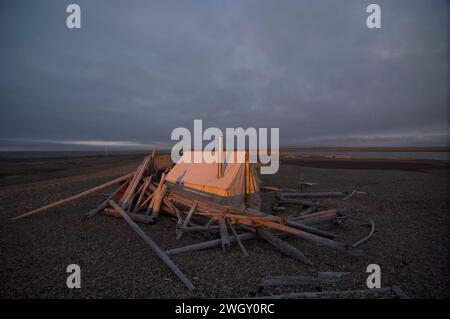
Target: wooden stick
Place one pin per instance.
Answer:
(105, 203)
(247, 228)
(171, 208)
(372, 230)
(133, 176)
(284, 200)
(318, 214)
(244, 251)
(156, 191)
(350, 195)
(224, 234)
(271, 188)
(130, 203)
(318, 220)
(320, 194)
(186, 221)
(157, 204)
(284, 247)
(201, 228)
(151, 164)
(311, 237)
(147, 181)
(74, 197)
(145, 202)
(134, 183)
(153, 246)
(207, 244)
(307, 211)
(312, 230)
(191, 212)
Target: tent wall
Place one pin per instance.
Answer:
(235, 187)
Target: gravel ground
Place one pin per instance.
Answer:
(411, 244)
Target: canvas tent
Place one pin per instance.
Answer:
(238, 185)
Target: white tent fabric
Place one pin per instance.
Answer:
(228, 189)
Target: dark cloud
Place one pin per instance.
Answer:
(138, 69)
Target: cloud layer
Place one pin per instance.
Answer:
(138, 69)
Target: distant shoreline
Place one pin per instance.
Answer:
(366, 149)
(319, 153)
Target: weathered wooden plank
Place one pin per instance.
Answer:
(207, 244)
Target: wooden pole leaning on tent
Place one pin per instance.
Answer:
(130, 192)
(133, 175)
(156, 194)
(158, 251)
(74, 197)
(155, 204)
(147, 181)
(186, 221)
(158, 201)
(147, 164)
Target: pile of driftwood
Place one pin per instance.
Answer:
(141, 196)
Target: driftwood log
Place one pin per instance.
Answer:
(163, 256)
(241, 245)
(74, 197)
(284, 247)
(207, 244)
(321, 194)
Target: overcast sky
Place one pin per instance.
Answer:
(138, 69)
